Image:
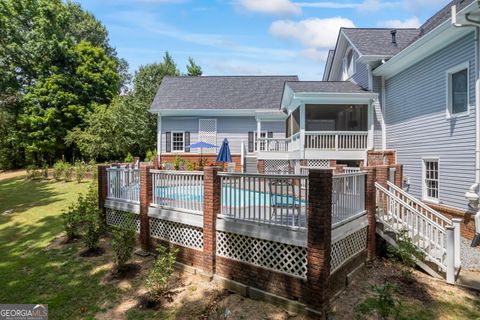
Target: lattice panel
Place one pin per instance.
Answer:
(346, 248)
(123, 219)
(268, 254)
(207, 131)
(319, 163)
(178, 233)
(278, 167)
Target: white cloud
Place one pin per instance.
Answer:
(413, 22)
(314, 54)
(328, 5)
(314, 32)
(277, 7)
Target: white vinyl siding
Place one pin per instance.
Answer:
(431, 180)
(417, 128)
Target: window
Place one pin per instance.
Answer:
(430, 180)
(263, 134)
(348, 64)
(178, 141)
(457, 95)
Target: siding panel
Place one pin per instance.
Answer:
(417, 126)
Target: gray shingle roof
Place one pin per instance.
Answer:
(220, 92)
(325, 86)
(376, 41)
(442, 15)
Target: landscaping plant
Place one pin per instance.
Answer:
(123, 243)
(67, 171)
(45, 171)
(406, 254)
(91, 230)
(128, 158)
(162, 270)
(150, 155)
(58, 169)
(80, 171)
(178, 162)
(383, 303)
(71, 219)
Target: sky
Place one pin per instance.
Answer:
(246, 37)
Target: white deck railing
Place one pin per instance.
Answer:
(336, 140)
(280, 144)
(348, 197)
(265, 199)
(351, 170)
(178, 190)
(431, 233)
(123, 184)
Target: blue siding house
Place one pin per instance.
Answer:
(412, 93)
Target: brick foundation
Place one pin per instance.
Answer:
(210, 158)
(339, 279)
(145, 200)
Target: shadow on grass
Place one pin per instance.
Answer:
(19, 194)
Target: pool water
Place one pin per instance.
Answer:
(231, 196)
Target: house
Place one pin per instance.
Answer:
(406, 96)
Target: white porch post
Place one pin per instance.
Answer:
(302, 130)
(259, 130)
(370, 124)
(456, 236)
(242, 157)
(159, 134)
(450, 259)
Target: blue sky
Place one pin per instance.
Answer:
(238, 37)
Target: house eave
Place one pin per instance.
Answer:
(329, 98)
(206, 112)
(440, 37)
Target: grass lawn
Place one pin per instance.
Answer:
(29, 273)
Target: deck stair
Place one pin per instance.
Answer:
(251, 164)
(436, 236)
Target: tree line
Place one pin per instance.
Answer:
(64, 91)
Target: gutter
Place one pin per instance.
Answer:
(473, 194)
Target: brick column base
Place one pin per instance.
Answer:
(211, 208)
(145, 200)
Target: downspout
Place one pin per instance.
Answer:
(472, 194)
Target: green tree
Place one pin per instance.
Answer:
(193, 68)
(46, 50)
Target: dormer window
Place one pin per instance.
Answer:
(348, 64)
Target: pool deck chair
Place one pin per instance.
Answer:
(285, 207)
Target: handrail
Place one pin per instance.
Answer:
(386, 191)
(336, 132)
(262, 175)
(421, 204)
(177, 172)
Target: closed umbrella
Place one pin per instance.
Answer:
(224, 153)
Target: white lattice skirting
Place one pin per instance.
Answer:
(178, 233)
(277, 167)
(346, 248)
(123, 219)
(267, 254)
(319, 163)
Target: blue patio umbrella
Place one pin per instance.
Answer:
(201, 145)
(224, 153)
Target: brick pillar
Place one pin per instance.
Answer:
(102, 191)
(340, 168)
(211, 208)
(371, 207)
(145, 200)
(398, 175)
(319, 237)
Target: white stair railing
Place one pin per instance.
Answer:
(432, 234)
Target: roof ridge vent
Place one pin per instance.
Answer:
(394, 36)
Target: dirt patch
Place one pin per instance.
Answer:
(61, 241)
(12, 174)
(129, 271)
(424, 291)
(95, 252)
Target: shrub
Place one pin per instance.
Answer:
(191, 165)
(45, 171)
(92, 168)
(58, 169)
(71, 218)
(80, 171)
(33, 172)
(159, 276)
(406, 254)
(91, 230)
(178, 162)
(67, 171)
(150, 155)
(128, 158)
(123, 243)
(383, 304)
